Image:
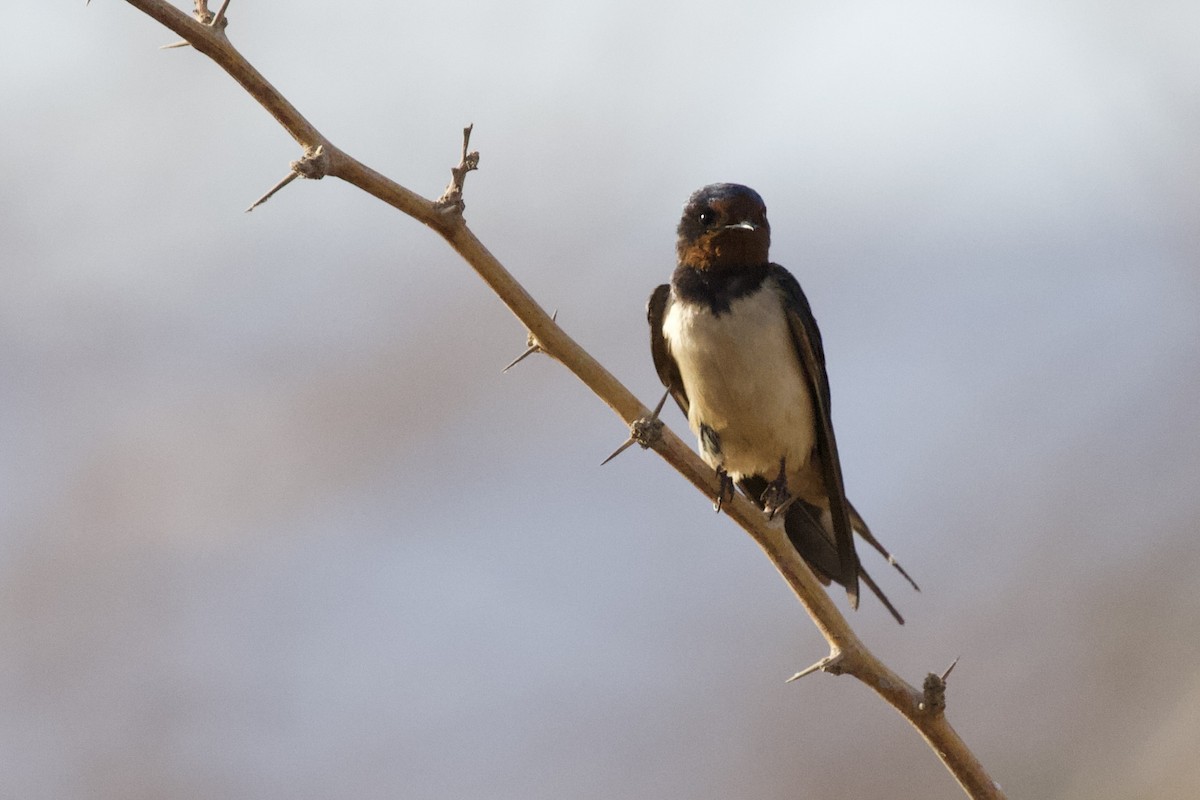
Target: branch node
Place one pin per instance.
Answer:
(218, 22)
(933, 691)
(831, 663)
(314, 164)
(532, 346)
(643, 431)
(452, 199)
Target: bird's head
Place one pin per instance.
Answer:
(724, 226)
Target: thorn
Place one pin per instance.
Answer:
(807, 671)
(724, 488)
(291, 176)
(219, 20)
(314, 165)
(661, 402)
(831, 663)
(644, 431)
(173, 45)
(533, 346)
(624, 446)
(950, 669)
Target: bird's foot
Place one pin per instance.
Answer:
(724, 489)
(776, 498)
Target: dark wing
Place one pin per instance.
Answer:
(664, 362)
(807, 338)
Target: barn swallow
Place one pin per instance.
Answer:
(737, 346)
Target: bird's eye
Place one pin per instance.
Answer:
(707, 217)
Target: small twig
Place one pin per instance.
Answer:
(644, 431)
(452, 198)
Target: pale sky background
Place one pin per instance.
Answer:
(273, 524)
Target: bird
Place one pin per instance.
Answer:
(735, 343)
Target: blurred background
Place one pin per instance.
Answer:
(274, 525)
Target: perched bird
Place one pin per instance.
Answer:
(736, 345)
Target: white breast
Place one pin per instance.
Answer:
(743, 379)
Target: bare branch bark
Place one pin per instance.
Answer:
(848, 655)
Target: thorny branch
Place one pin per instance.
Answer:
(848, 655)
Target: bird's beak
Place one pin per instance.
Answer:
(743, 226)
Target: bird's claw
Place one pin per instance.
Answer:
(776, 498)
(724, 489)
